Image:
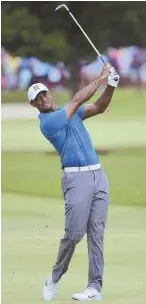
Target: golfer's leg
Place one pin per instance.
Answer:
(95, 231)
(78, 191)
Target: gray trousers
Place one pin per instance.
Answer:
(86, 198)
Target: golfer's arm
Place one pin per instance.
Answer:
(82, 96)
(100, 105)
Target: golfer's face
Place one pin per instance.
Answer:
(44, 101)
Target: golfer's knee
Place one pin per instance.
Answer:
(75, 236)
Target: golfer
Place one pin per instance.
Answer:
(84, 184)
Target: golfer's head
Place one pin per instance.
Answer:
(40, 97)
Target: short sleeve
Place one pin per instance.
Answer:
(55, 121)
(80, 111)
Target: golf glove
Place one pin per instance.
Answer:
(113, 78)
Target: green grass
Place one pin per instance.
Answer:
(125, 102)
(29, 250)
(124, 125)
(39, 175)
(21, 97)
(25, 135)
(33, 211)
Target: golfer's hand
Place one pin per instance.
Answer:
(106, 70)
(113, 78)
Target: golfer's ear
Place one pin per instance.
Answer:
(32, 103)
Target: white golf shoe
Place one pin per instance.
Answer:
(88, 294)
(49, 289)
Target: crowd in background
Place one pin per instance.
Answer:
(18, 73)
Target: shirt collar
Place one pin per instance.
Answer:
(41, 115)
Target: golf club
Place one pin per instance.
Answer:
(65, 6)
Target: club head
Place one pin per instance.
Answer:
(60, 6)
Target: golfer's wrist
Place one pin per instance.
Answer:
(103, 77)
(110, 87)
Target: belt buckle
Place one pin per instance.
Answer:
(90, 169)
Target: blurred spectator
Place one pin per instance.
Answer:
(138, 67)
(130, 63)
(18, 73)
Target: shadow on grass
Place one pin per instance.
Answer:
(124, 151)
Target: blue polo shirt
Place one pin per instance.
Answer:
(69, 137)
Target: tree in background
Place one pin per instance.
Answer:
(23, 34)
(35, 29)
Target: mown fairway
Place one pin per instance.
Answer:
(33, 212)
(31, 231)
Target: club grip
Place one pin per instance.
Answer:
(116, 79)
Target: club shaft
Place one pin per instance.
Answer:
(86, 36)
